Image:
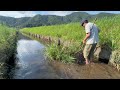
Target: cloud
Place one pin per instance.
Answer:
(23, 12)
(17, 14)
(59, 13)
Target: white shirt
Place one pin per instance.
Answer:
(94, 36)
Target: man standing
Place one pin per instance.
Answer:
(91, 39)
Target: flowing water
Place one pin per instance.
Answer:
(30, 61)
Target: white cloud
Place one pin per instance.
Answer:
(17, 14)
(59, 13)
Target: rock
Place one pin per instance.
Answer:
(118, 67)
(103, 53)
(80, 58)
(115, 59)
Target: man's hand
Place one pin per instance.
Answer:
(86, 37)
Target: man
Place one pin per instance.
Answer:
(91, 39)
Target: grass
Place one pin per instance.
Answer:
(109, 35)
(66, 31)
(7, 44)
(62, 53)
(7, 37)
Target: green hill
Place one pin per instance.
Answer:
(41, 20)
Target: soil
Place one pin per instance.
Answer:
(92, 71)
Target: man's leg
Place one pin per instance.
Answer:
(86, 53)
(87, 61)
(91, 55)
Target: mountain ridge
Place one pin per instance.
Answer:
(41, 20)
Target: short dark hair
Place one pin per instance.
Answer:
(84, 21)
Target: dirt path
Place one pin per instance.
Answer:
(92, 71)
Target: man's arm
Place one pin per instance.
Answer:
(86, 37)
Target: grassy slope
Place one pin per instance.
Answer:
(7, 36)
(109, 31)
(7, 45)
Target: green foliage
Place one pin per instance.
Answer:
(110, 31)
(7, 41)
(7, 46)
(60, 53)
(109, 34)
(71, 31)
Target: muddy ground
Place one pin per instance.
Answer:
(92, 71)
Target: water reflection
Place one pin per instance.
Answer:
(9, 68)
(32, 63)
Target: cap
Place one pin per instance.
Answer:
(83, 21)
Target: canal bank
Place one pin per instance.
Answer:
(7, 56)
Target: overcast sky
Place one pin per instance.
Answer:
(18, 14)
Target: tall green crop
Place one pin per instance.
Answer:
(109, 34)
